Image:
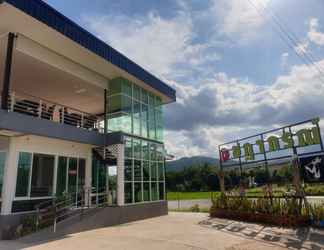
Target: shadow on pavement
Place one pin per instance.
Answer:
(301, 238)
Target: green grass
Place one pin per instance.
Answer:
(313, 189)
(190, 195)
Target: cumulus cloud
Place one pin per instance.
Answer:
(240, 19)
(227, 108)
(156, 43)
(314, 35)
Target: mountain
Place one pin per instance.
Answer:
(180, 164)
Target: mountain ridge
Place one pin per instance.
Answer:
(180, 164)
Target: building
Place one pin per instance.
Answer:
(76, 116)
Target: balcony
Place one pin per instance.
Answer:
(43, 109)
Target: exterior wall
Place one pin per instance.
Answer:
(43, 145)
(100, 218)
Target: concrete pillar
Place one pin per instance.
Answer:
(88, 179)
(9, 178)
(120, 175)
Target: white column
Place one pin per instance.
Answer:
(120, 175)
(9, 178)
(88, 179)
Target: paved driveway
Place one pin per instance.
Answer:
(180, 231)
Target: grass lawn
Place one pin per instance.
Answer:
(311, 190)
(190, 195)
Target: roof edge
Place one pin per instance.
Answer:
(57, 21)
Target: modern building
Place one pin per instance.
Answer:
(76, 117)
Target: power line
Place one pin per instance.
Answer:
(291, 42)
(293, 37)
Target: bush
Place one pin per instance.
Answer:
(290, 211)
(195, 208)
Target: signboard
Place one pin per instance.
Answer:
(312, 168)
(301, 139)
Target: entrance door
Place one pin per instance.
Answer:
(76, 179)
(112, 185)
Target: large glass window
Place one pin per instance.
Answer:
(42, 175)
(24, 165)
(134, 110)
(144, 171)
(2, 166)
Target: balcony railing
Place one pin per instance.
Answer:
(47, 110)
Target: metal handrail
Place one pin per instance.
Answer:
(48, 110)
(53, 212)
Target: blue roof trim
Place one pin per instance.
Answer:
(54, 19)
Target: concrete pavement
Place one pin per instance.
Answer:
(177, 231)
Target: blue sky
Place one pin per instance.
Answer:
(233, 73)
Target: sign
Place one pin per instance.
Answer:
(312, 168)
(261, 147)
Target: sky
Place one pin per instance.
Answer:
(234, 72)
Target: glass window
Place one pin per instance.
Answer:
(138, 191)
(61, 176)
(152, 152)
(144, 96)
(24, 165)
(2, 166)
(128, 192)
(153, 171)
(42, 175)
(115, 86)
(137, 149)
(136, 126)
(102, 179)
(114, 104)
(161, 191)
(126, 104)
(126, 87)
(81, 174)
(129, 148)
(120, 122)
(137, 92)
(146, 171)
(154, 189)
(137, 170)
(145, 150)
(128, 170)
(73, 172)
(161, 171)
(146, 191)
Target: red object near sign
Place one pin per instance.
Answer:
(225, 155)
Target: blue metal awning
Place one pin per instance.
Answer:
(54, 19)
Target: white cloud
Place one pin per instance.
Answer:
(155, 43)
(314, 35)
(225, 106)
(240, 19)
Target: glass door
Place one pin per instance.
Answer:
(76, 179)
(112, 185)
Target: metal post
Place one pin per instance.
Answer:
(7, 72)
(319, 132)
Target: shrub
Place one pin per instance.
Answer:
(195, 208)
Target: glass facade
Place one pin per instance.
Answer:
(133, 110)
(144, 171)
(35, 176)
(24, 165)
(42, 175)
